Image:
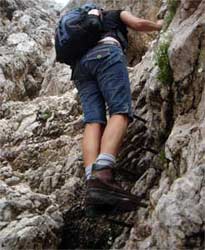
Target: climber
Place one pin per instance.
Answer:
(101, 78)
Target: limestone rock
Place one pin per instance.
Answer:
(27, 47)
(162, 159)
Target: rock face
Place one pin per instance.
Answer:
(26, 49)
(162, 159)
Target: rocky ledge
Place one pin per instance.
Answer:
(162, 159)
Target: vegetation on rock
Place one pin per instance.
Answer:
(165, 74)
(172, 6)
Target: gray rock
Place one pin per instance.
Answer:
(41, 173)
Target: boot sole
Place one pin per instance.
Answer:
(93, 211)
(108, 197)
(101, 202)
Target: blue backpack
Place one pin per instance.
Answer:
(76, 33)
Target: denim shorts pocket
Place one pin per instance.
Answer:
(98, 54)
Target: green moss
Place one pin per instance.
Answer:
(44, 115)
(162, 156)
(165, 75)
(161, 161)
(172, 8)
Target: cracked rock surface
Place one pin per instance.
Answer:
(162, 160)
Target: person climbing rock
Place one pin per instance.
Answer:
(102, 80)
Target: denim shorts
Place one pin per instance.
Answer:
(103, 83)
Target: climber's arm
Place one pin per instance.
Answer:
(140, 24)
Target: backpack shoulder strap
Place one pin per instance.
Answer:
(122, 38)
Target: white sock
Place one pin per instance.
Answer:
(88, 172)
(106, 159)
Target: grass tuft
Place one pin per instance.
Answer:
(172, 8)
(165, 75)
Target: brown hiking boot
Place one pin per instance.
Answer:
(105, 196)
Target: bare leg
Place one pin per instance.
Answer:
(102, 187)
(99, 139)
(114, 134)
(91, 142)
(111, 141)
